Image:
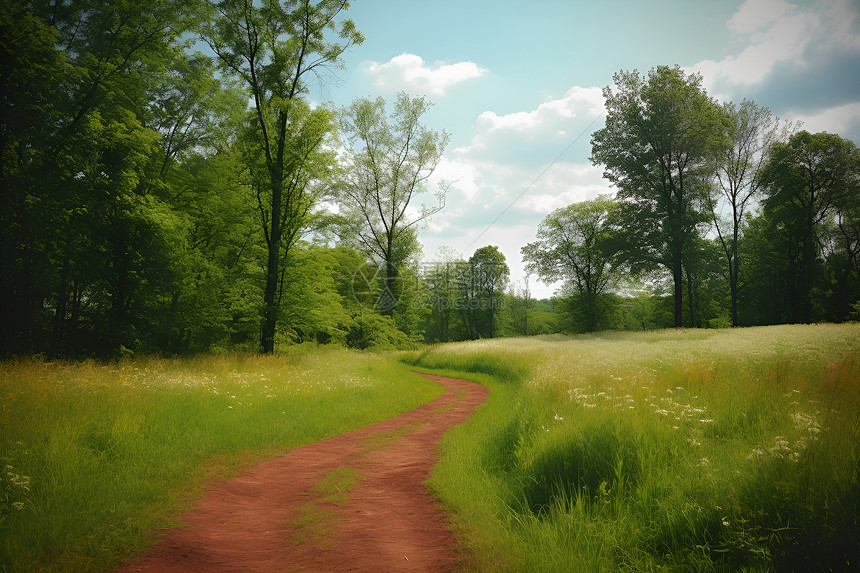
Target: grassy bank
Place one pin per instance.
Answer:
(675, 450)
(96, 456)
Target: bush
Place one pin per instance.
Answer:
(373, 331)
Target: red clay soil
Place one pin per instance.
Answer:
(354, 502)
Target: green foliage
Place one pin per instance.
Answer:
(808, 181)
(662, 133)
(386, 168)
(273, 50)
(369, 330)
(573, 246)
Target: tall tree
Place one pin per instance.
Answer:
(809, 179)
(387, 168)
(661, 136)
(845, 258)
(442, 295)
(75, 124)
(485, 281)
(752, 130)
(520, 304)
(275, 49)
(573, 246)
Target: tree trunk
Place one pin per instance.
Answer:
(678, 279)
(388, 298)
(733, 265)
(270, 311)
(691, 303)
(60, 312)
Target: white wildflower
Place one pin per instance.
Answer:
(755, 453)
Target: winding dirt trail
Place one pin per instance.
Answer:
(354, 502)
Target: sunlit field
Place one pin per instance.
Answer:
(97, 456)
(674, 450)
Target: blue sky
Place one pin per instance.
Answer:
(518, 84)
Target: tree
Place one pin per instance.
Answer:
(275, 50)
(386, 169)
(573, 246)
(443, 296)
(520, 303)
(75, 165)
(807, 180)
(484, 285)
(845, 258)
(752, 130)
(661, 136)
(190, 108)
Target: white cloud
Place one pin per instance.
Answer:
(769, 41)
(756, 14)
(577, 102)
(410, 73)
(775, 34)
(833, 120)
(517, 168)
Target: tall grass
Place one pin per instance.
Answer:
(96, 456)
(676, 450)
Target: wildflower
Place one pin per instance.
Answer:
(756, 452)
(557, 418)
(704, 461)
(726, 521)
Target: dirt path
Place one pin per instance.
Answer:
(355, 502)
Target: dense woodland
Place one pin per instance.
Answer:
(158, 199)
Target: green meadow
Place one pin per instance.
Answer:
(97, 456)
(678, 450)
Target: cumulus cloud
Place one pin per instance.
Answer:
(410, 73)
(773, 31)
(535, 137)
(756, 14)
(577, 102)
(799, 60)
(517, 168)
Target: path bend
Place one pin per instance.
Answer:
(353, 502)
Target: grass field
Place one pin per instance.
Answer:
(681, 450)
(96, 456)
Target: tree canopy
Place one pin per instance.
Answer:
(658, 148)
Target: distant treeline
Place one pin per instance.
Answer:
(147, 207)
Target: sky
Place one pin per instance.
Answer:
(518, 86)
